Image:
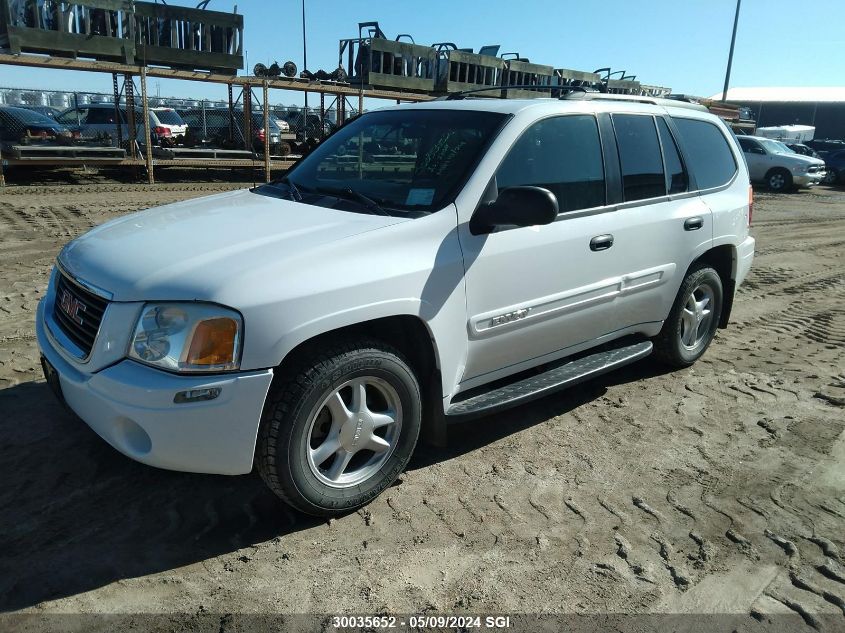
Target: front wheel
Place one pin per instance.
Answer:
(779, 180)
(830, 177)
(692, 323)
(340, 428)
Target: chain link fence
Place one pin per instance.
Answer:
(231, 126)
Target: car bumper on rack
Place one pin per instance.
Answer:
(131, 406)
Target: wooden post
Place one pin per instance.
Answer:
(148, 158)
(266, 133)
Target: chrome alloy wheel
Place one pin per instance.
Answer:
(777, 181)
(353, 431)
(697, 316)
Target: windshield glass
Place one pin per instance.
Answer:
(412, 160)
(30, 117)
(170, 117)
(775, 147)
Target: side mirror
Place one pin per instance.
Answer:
(758, 150)
(515, 206)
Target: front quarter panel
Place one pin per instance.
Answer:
(409, 268)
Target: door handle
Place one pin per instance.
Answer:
(693, 224)
(601, 242)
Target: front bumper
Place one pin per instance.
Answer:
(808, 180)
(131, 406)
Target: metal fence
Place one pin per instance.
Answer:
(56, 127)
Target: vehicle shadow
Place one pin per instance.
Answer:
(76, 515)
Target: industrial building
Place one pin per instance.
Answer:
(821, 107)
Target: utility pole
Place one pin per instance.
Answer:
(304, 52)
(730, 54)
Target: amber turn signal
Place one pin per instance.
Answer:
(214, 343)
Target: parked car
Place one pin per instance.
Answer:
(772, 163)
(100, 121)
(24, 126)
(211, 126)
(48, 111)
(317, 326)
(307, 128)
(825, 145)
(804, 150)
(169, 118)
(283, 125)
(835, 163)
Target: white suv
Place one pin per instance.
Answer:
(425, 263)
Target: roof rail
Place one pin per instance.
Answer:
(669, 103)
(456, 96)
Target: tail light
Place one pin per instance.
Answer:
(261, 135)
(76, 134)
(750, 204)
(158, 130)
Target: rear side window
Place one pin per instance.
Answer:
(707, 151)
(676, 176)
(561, 154)
(639, 157)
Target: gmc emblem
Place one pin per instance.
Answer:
(72, 306)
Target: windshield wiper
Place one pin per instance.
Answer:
(295, 193)
(356, 196)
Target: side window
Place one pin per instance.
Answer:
(73, 117)
(561, 154)
(707, 151)
(677, 180)
(99, 116)
(748, 146)
(639, 157)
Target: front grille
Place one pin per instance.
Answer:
(814, 169)
(78, 313)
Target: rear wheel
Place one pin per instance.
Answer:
(779, 180)
(692, 323)
(340, 428)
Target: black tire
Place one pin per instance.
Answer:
(669, 347)
(285, 434)
(779, 180)
(831, 177)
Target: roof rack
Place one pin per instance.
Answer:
(456, 96)
(603, 96)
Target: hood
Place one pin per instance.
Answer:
(191, 250)
(800, 159)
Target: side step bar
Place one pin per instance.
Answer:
(539, 385)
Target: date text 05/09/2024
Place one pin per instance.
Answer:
(421, 621)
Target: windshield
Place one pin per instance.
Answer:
(775, 147)
(413, 160)
(170, 117)
(30, 117)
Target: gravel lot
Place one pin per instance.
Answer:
(720, 488)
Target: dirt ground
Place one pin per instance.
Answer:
(717, 489)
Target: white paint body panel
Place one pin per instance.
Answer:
(295, 271)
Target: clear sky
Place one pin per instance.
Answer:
(682, 44)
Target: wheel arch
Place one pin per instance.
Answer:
(412, 337)
(723, 259)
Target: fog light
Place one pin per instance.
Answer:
(196, 395)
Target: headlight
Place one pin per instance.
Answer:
(188, 337)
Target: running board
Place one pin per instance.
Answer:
(539, 385)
